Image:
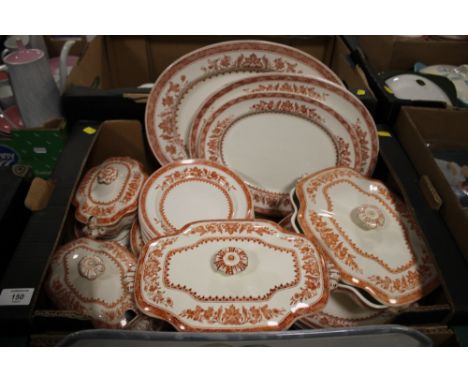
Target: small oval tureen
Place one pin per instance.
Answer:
(368, 234)
(95, 279)
(107, 198)
(231, 275)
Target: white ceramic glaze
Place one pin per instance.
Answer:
(182, 87)
(107, 197)
(368, 234)
(236, 275)
(343, 309)
(416, 88)
(191, 190)
(332, 95)
(272, 139)
(95, 279)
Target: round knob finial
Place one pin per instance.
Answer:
(91, 267)
(368, 217)
(231, 260)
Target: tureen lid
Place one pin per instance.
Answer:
(109, 192)
(368, 233)
(95, 279)
(231, 275)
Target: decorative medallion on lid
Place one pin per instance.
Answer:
(107, 175)
(231, 260)
(368, 216)
(91, 267)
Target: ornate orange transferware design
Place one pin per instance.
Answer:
(232, 315)
(268, 202)
(308, 91)
(91, 267)
(170, 88)
(76, 281)
(289, 107)
(292, 279)
(97, 204)
(334, 242)
(231, 260)
(249, 62)
(196, 170)
(399, 284)
(364, 125)
(107, 175)
(240, 265)
(369, 216)
(397, 214)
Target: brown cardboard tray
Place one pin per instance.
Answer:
(121, 138)
(418, 127)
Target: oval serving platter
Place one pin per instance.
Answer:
(332, 95)
(183, 86)
(271, 139)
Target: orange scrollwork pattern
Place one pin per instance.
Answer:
(232, 228)
(344, 155)
(249, 62)
(334, 241)
(133, 188)
(311, 270)
(195, 173)
(169, 134)
(308, 91)
(411, 280)
(232, 315)
(213, 143)
(289, 107)
(363, 140)
(273, 201)
(150, 276)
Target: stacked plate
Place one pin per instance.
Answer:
(269, 112)
(186, 191)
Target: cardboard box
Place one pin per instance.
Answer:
(117, 138)
(401, 53)
(383, 53)
(416, 127)
(125, 62)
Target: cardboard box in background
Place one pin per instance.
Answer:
(401, 53)
(416, 127)
(129, 61)
(113, 66)
(126, 138)
(376, 54)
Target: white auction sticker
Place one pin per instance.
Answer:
(19, 296)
